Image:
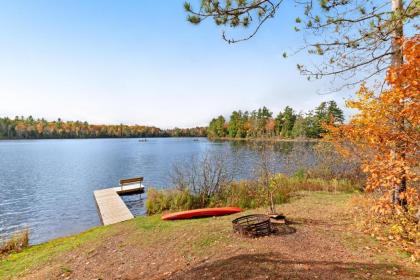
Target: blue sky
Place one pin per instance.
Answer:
(139, 62)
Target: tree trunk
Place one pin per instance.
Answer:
(397, 60)
(272, 204)
(398, 33)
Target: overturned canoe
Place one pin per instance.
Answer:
(204, 212)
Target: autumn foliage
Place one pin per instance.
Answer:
(30, 128)
(385, 135)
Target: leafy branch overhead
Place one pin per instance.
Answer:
(234, 13)
(354, 39)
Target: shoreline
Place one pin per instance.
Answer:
(264, 139)
(207, 246)
(90, 138)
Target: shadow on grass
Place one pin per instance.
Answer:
(314, 222)
(282, 229)
(276, 266)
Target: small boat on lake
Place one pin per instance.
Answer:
(204, 212)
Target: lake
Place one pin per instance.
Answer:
(47, 185)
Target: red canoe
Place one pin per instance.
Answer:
(205, 212)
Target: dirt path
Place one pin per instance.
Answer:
(321, 243)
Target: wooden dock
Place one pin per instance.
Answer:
(111, 207)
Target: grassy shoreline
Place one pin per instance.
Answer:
(246, 194)
(149, 248)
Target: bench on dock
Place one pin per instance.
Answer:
(112, 208)
(130, 184)
(136, 180)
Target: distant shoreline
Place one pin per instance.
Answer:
(259, 139)
(265, 139)
(90, 138)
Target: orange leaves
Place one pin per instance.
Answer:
(385, 132)
(412, 196)
(270, 125)
(397, 77)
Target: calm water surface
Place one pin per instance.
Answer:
(47, 185)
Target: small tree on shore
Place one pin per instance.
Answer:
(265, 170)
(203, 176)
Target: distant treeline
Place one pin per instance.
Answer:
(187, 132)
(287, 124)
(30, 128)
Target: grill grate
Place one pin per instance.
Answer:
(256, 225)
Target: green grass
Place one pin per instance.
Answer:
(155, 224)
(327, 197)
(192, 238)
(151, 223)
(362, 241)
(403, 254)
(66, 269)
(205, 242)
(36, 255)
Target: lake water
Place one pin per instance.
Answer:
(47, 185)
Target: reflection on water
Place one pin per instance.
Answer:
(135, 202)
(47, 185)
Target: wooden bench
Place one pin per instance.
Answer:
(111, 207)
(131, 181)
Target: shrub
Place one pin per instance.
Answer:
(246, 194)
(321, 160)
(300, 174)
(239, 193)
(300, 182)
(387, 224)
(333, 185)
(159, 201)
(204, 176)
(16, 243)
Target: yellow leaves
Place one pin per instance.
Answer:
(385, 134)
(388, 224)
(385, 130)
(396, 229)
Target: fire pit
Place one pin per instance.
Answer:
(252, 225)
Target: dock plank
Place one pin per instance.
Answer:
(111, 207)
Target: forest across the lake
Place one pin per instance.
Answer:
(30, 128)
(286, 124)
(260, 123)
